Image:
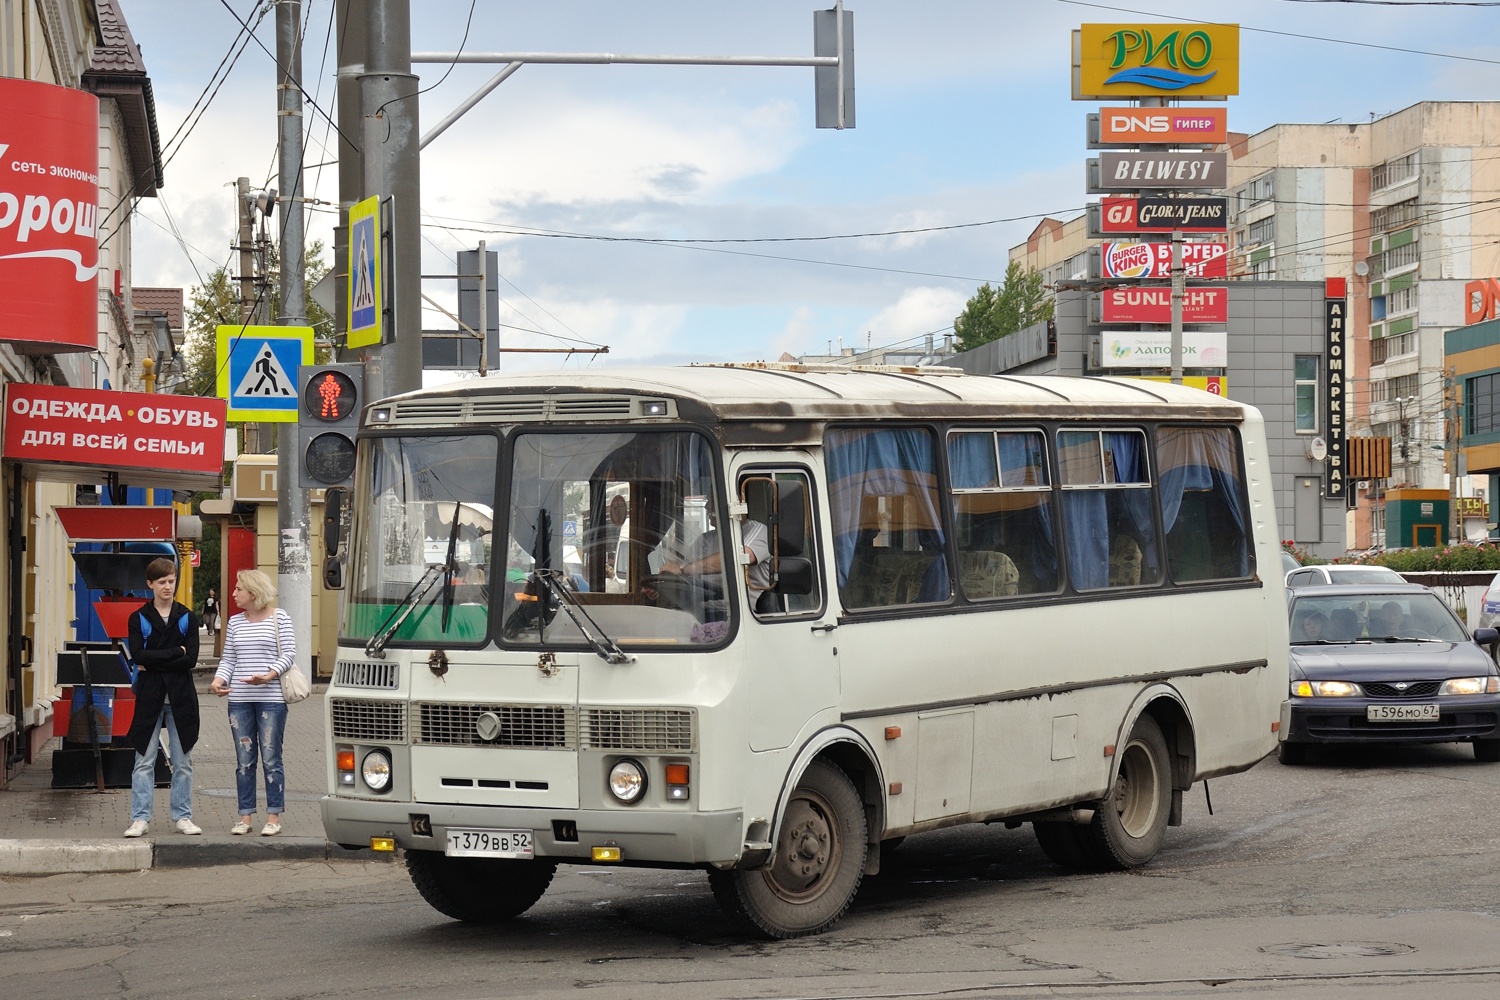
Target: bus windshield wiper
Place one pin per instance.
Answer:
(377, 643)
(452, 571)
(556, 581)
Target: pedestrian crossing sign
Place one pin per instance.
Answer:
(257, 370)
(366, 296)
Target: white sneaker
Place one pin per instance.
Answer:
(136, 829)
(188, 827)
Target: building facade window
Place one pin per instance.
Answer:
(1262, 231)
(1394, 171)
(1305, 385)
(1401, 300)
(1385, 349)
(1397, 216)
(1482, 404)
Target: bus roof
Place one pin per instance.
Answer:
(770, 391)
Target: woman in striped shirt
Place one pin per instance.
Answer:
(258, 645)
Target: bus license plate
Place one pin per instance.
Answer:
(489, 844)
(1401, 713)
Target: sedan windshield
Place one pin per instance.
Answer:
(1373, 617)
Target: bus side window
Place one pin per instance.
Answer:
(889, 546)
(780, 506)
(1107, 508)
(1002, 513)
(1203, 503)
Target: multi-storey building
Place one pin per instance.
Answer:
(1407, 207)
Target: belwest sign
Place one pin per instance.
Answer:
(1138, 171)
(1150, 59)
(1154, 305)
(1163, 215)
(49, 213)
(165, 440)
(1154, 260)
(1174, 126)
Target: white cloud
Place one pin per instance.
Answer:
(918, 311)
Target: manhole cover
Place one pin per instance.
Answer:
(1339, 949)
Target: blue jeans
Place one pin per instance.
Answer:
(143, 778)
(257, 727)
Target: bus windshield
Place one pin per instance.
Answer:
(625, 521)
(426, 543)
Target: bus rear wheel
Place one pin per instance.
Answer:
(476, 890)
(1131, 821)
(818, 863)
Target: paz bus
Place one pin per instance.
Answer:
(1045, 600)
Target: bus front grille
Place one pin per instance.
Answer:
(353, 673)
(547, 727)
(368, 721)
(649, 730)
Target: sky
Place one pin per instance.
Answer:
(965, 137)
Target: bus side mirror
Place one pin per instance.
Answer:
(794, 575)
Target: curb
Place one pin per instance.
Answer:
(57, 857)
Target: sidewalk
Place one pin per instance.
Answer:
(45, 831)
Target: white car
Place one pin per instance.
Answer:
(1489, 605)
(1318, 576)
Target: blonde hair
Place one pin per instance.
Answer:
(261, 589)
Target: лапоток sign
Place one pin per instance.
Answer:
(49, 214)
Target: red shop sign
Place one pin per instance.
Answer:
(1154, 260)
(97, 428)
(1154, 305)
(49, 213)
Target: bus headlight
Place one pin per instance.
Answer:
(627, 780)
(376, 770)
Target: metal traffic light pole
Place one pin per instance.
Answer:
(293, 542)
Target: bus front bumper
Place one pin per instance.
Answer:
(642, 836)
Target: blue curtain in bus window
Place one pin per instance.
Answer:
(1202, 503)
(1131, 514)
(972, 461)
(888, 536)
(1023, 462)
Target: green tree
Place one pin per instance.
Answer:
(1020, 301)
(216, 303)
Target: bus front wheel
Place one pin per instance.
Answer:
(817, 867)
(476, 890)
(1131, 821)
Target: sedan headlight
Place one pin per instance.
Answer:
(376, 770)
(1471, 685)
(1325, 689)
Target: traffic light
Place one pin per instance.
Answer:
(327, 420)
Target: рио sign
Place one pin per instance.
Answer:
(1151, 59)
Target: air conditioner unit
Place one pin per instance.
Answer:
(1364, 484)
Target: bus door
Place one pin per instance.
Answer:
(788, 645)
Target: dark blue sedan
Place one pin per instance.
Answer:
(1387, 664)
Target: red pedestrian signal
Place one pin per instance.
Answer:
(329, 418)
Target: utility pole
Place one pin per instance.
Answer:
(293, 544)
(350, 27)
(392, 169)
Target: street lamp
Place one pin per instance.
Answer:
(1402, 402)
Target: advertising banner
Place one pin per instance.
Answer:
(1114, 171)
(1154, 260)
(99, 428)
(1153, 349)
(1216, 384)
(1151, 59)
(49, 212)
(1154, 214)
(1335, 472)
(1154, 305)
(1171, 126)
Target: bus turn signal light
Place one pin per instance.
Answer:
(608, 854)
(382, 843)
(677, 782)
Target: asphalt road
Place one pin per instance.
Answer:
(1370, 870)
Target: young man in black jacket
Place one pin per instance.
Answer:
(164, 645)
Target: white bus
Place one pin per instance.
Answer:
(1055, 601)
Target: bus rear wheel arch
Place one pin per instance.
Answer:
(1131, 820)
(476, 890)
(816, 866)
